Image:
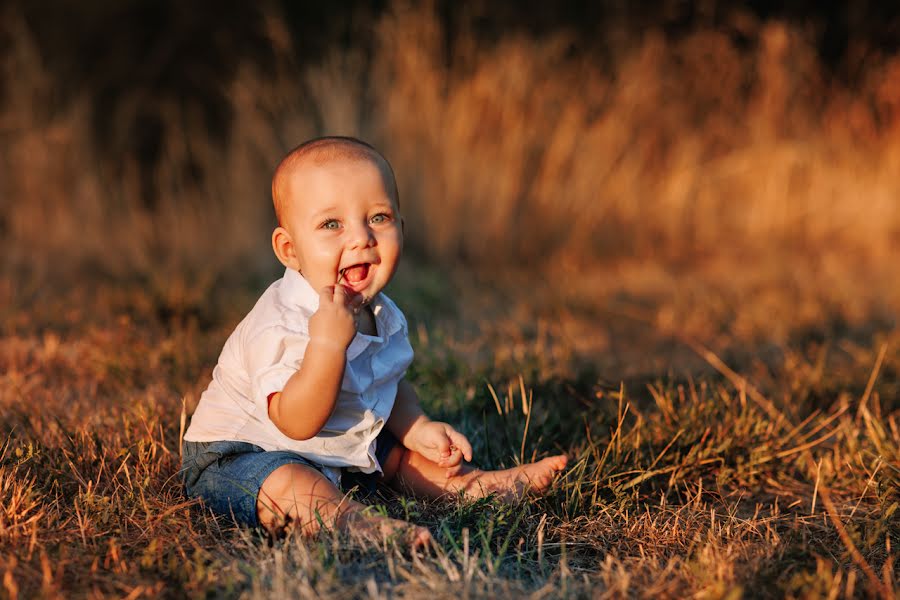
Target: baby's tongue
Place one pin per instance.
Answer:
(356, 273)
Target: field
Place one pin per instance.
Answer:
(699, 309)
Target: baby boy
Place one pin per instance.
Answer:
(309, 394)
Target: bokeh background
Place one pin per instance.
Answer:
(643, 159)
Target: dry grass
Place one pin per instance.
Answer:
(779, 486)
(707, 323)
(514, 151)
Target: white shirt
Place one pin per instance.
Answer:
(267, 347)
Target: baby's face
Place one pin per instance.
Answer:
(344, 226)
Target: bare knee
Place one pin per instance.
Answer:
(296, 495)
(391, 466)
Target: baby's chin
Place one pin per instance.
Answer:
(370, 292)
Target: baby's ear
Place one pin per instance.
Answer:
(284, 249)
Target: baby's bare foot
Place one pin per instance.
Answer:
(376, 528)
(511, 484)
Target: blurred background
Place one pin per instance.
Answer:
(643, 159)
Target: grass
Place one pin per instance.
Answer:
(691, 483)
(591, 158)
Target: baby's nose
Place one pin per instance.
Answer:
(361, 236)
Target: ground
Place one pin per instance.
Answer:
(732, 432)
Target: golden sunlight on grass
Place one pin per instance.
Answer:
(698, 486)
(679, 268)
(516, 152)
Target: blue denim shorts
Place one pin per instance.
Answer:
(228, 475)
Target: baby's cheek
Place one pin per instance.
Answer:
(326, 266)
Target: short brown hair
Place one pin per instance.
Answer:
(326, 149)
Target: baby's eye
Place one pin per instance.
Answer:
(381, 218)
(330, 224)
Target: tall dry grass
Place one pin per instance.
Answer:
(508, 152)
(685, 145)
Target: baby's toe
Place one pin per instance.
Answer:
(558, 462)
(421, 538)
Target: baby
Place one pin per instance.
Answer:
(309, 395)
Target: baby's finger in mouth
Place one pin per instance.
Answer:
(345, 296)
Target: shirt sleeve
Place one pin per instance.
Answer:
(275, 354)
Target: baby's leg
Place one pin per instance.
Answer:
(408, 470)
(300, 496)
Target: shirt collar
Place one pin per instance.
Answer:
(296, 291)
(387, 315)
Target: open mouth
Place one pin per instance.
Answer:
(356, 277)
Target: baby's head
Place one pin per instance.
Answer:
(338, 215)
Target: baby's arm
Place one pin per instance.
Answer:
(436, 441)
(303, 407)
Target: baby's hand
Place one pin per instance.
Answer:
(335, 322)
(441, 444)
